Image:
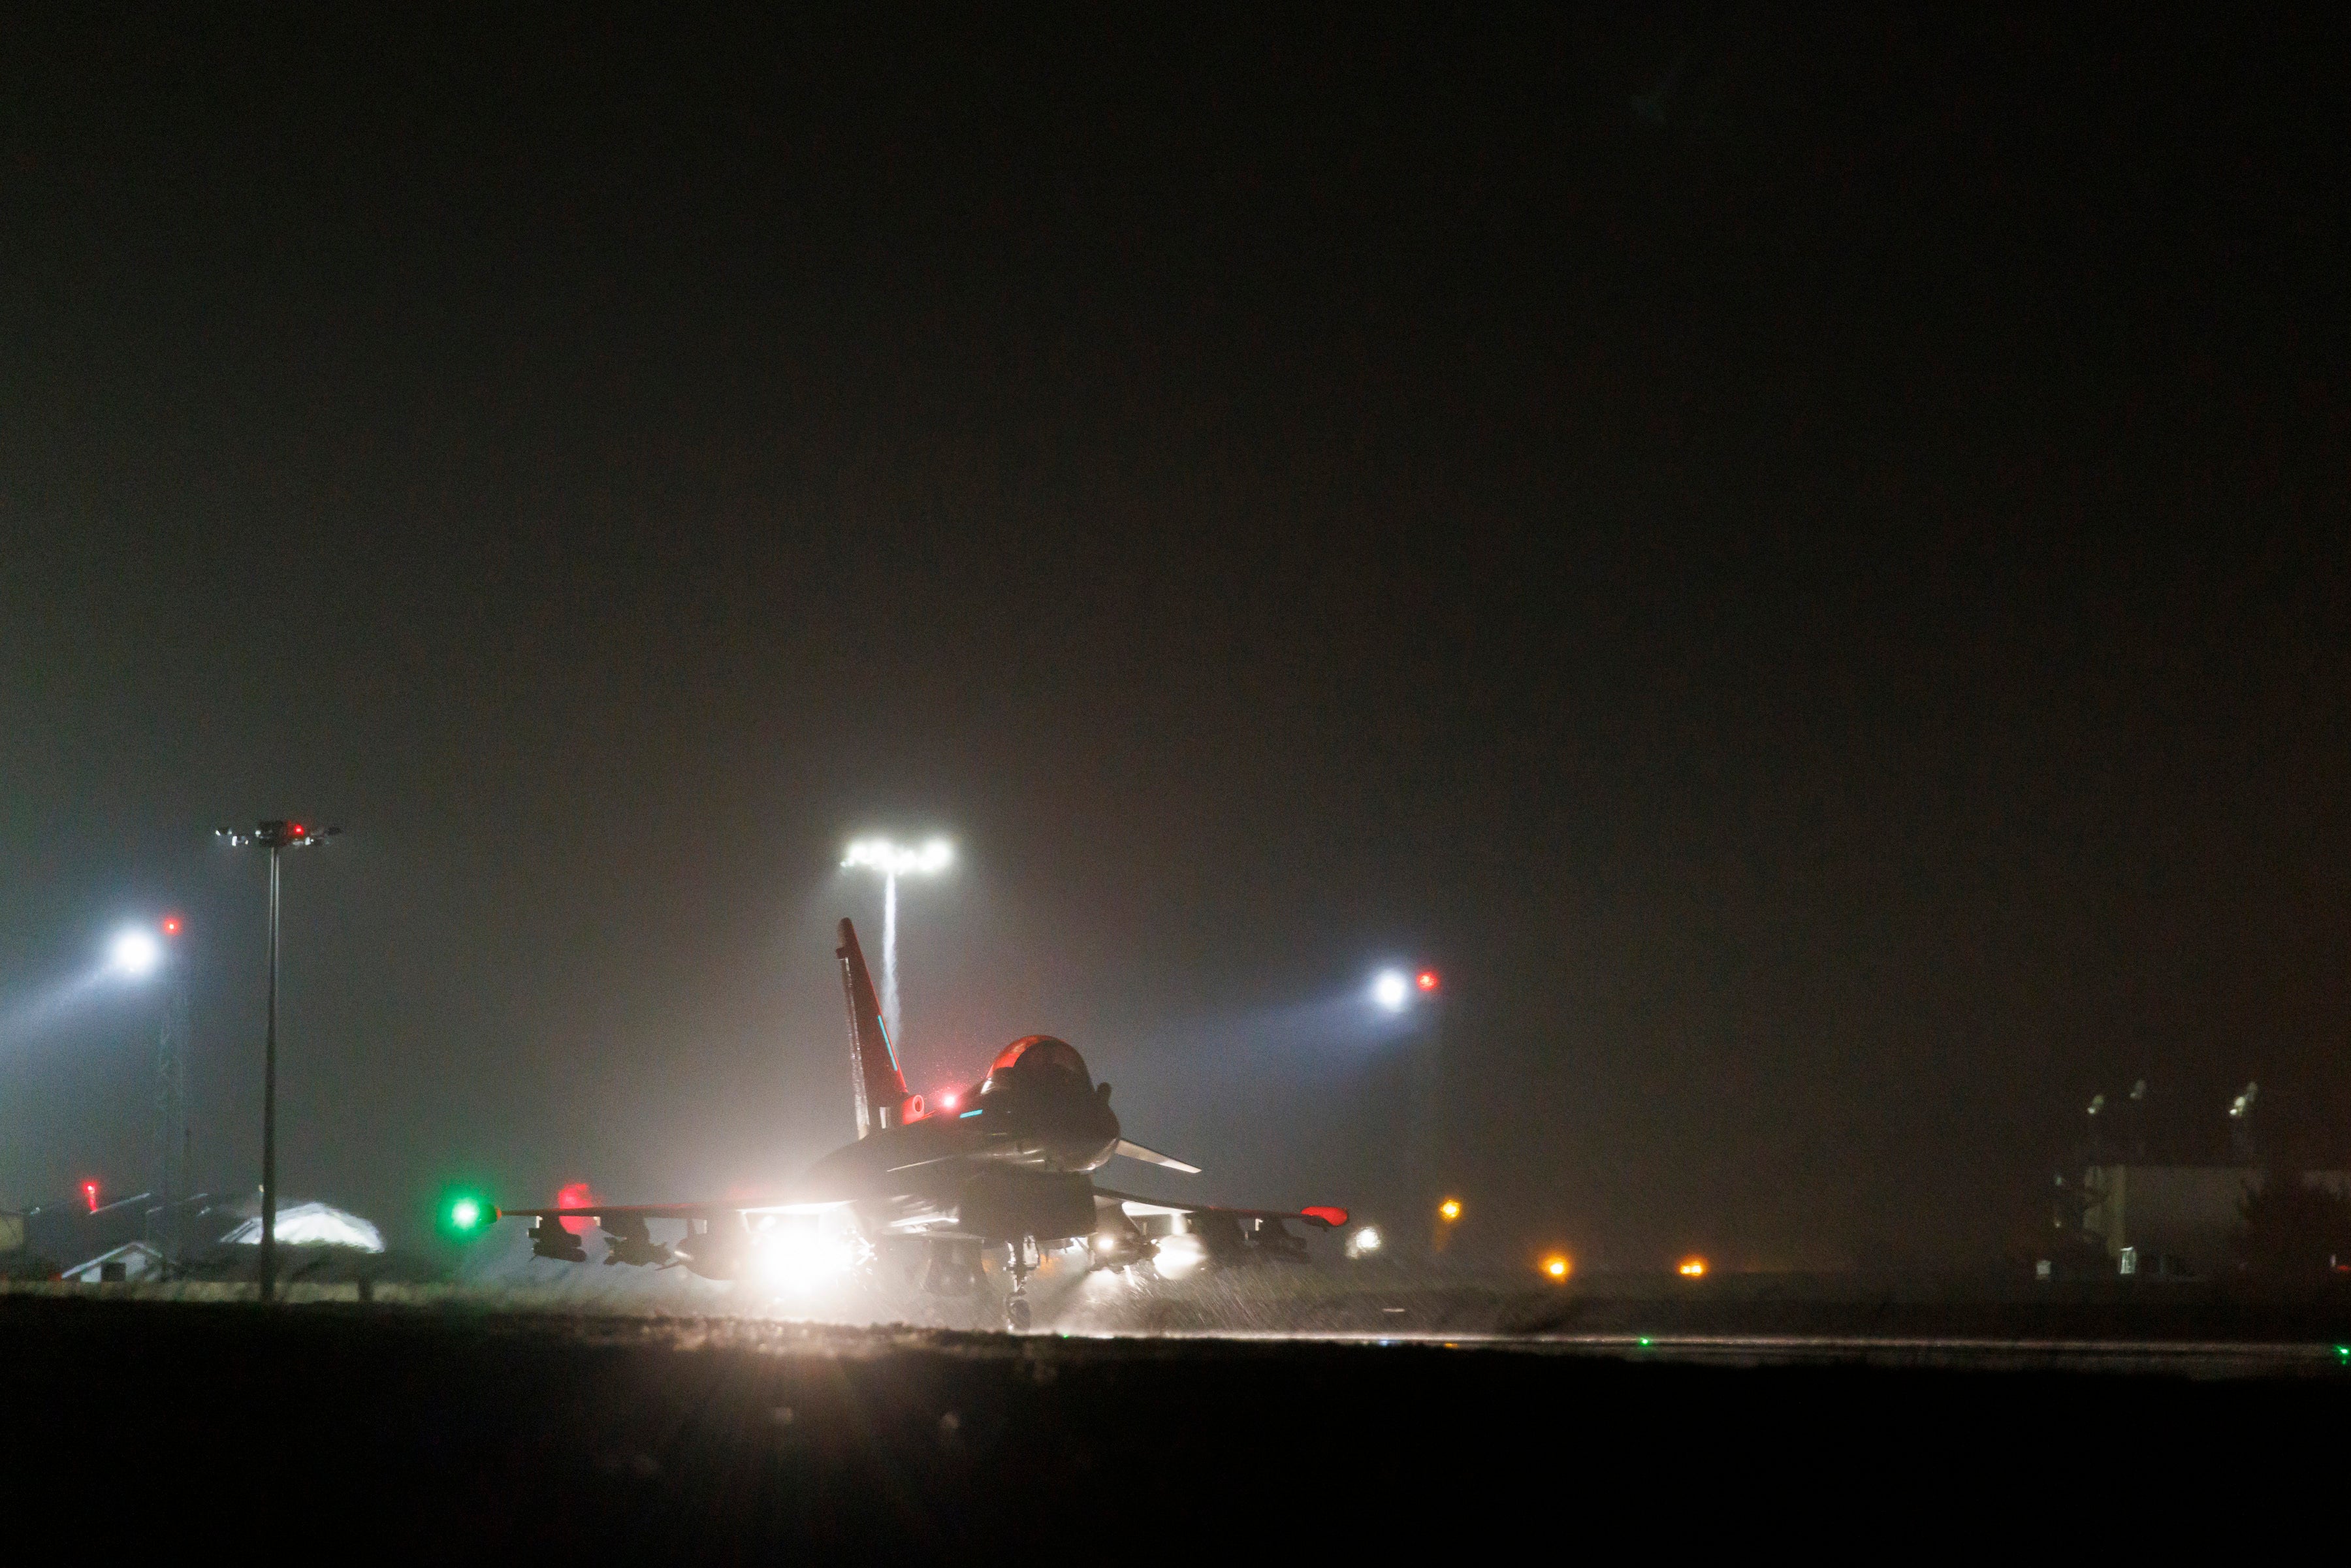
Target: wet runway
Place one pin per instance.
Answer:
(2190, 1358)
(460, 1428)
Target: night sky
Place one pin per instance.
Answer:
(1802, 564)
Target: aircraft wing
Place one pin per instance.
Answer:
(663, 1210)
(1134, 1151)
(1322, 1215)
(714, 1251)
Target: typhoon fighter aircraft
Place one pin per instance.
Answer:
(926, 1189)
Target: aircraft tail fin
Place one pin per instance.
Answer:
(873, 1060)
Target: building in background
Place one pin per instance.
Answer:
(312, 1224)
(2176, 1219)
(127, 1264)
(2128, 1214)
(121, 1242)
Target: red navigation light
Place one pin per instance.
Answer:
(574, 1195)
(90, 1191)
(1329, 1219)
(1428, 980)
(170, 926)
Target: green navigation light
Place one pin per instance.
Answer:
(464, 1214)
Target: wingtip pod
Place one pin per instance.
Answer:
(1329, 1218)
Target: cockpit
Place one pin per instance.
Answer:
(1039, 1058)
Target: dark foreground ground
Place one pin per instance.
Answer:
(461, 1432)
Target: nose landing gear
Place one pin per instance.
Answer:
(1024, 1262)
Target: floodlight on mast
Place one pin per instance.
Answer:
(274, 836)
(892, 862)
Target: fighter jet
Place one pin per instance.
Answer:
(925, 1190)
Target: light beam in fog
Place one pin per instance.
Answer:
(890, 956)
(133, 955)
(894, 860)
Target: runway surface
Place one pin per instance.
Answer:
(471, 1431)
(2192, 1358)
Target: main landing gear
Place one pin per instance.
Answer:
(1024, 1262)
